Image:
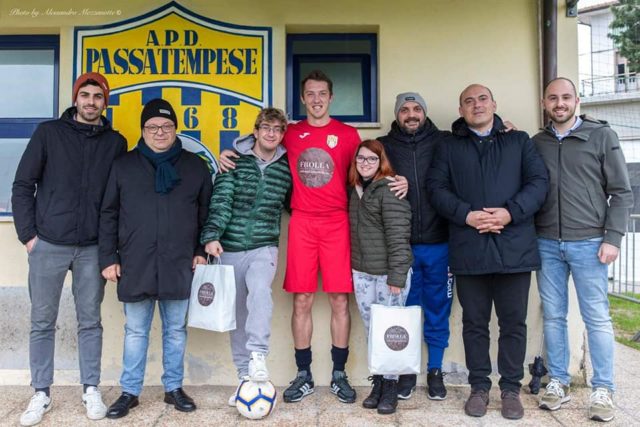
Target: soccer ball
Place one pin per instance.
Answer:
(256, 400)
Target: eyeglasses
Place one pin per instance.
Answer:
(166, 128)
(268, 129)
(369, 160)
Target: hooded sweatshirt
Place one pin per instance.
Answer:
(589, 190)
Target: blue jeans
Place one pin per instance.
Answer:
(580, 258)
(139, 316)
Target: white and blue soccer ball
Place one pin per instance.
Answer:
(256, 399)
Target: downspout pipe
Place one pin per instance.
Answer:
(549, 44)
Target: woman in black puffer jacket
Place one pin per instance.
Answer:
(380, 249)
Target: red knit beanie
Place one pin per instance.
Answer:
(97, 77)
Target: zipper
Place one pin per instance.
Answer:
(252, 215)
(415, 175)
(559, 193)
(358, 226)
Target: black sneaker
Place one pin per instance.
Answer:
(340, 387)
(406, 386)
(435, 385)
(301, 386)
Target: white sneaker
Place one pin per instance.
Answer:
(39, 404)
(258, 367)
(92, 400)
(232, 398)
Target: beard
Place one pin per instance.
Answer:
(411, 130)
(569, 115)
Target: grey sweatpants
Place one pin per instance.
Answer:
(48, 266)
(372, 289)
(254, 272)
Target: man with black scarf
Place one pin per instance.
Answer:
(153, 211)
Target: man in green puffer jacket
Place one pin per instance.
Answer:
(243, 228)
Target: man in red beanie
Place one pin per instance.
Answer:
(56, 204)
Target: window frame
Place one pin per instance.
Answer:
(368, 62)
(22, 127)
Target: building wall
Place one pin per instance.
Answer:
(601, 57)
(430, 46)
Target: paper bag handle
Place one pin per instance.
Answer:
(216, 260)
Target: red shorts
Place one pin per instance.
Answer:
(318, 240)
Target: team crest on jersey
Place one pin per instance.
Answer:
(332, 141)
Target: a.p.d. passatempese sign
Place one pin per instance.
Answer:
(216, 75)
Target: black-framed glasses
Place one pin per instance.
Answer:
(166, 128)
(268, 129)
(371, 160)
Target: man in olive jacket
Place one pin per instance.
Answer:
(152, 213)
(243, 228)
(489, 184)
(579, 230)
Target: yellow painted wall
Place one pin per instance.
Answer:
(435, 47)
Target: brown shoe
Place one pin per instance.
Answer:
(511, 405)
(476, 405)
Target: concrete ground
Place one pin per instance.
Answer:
(322, 408)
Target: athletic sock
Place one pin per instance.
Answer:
(303, 359)
(339, 357)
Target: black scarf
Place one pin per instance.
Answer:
(166, 175)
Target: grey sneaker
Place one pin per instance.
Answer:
(554, 395)
(340, 387)
(601, 404)
(301, 386)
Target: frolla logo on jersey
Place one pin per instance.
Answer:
(315, 167)
(332, 141)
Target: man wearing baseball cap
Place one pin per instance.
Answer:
(57, 191)
(410, 145)
(153, 211)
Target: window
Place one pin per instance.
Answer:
(350, 60)
(29, 88)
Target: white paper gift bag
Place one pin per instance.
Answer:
(395, 340)
(212, 305)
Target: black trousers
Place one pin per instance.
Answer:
(510, 295)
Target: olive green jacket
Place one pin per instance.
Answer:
(380, 232)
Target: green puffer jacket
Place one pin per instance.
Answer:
(247, 202)
(380, 232)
